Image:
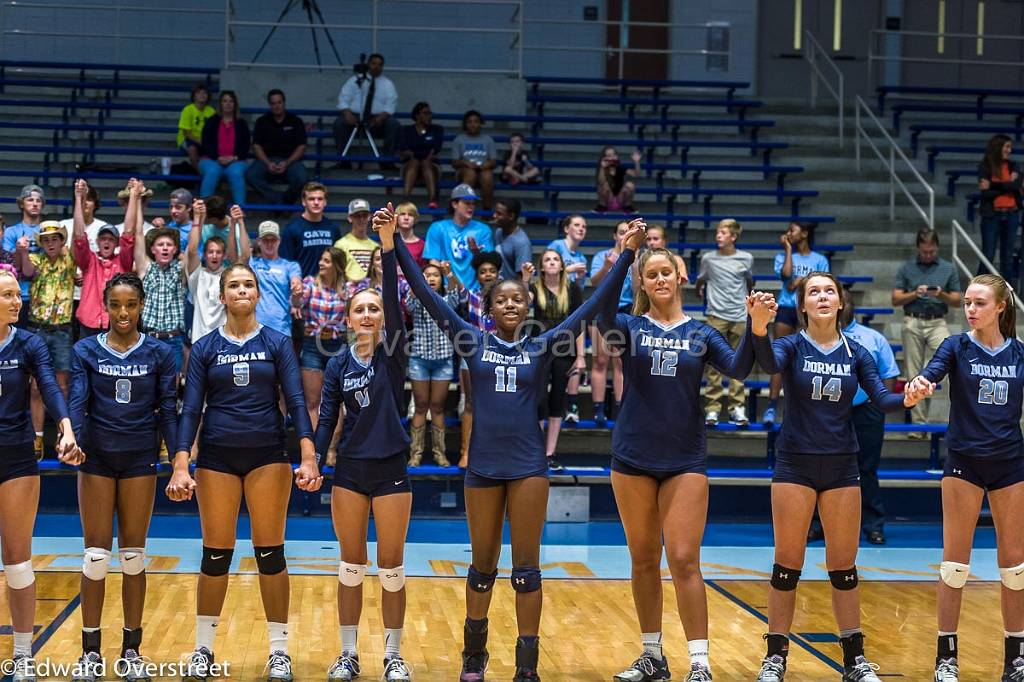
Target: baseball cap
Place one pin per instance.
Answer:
(28, 190)
(268, 228)
(464, 191)
(358, 206)
(48, 227)
(181, 196)
(108, 229)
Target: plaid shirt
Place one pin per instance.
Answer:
(50, 295)
(428, 341)
(353, 287)
(474, 304)
(323, 309)
(165, 298)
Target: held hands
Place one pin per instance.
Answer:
(237, 214)
(761, 307)
(68, 450)
(917, 390)
(307, 474)
(385, 222)
(635, 235)
(181, 486)
(198, 212)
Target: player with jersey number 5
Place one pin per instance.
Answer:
(238, 370)
(816, 464)
(508, 469)
(985, 366)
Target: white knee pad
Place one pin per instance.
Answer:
(132, 560)
(1013, 577)
(95, 563)
(392, 579)
(20, 576)
(953, 574)
(351, 575)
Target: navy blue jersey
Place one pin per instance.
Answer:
(240, 382)
(820, 386)
(115, 396)
(373, 393)
(509, 379)
(985, 394)
(660, 426)
(23, 355)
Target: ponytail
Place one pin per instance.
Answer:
(1004, 294)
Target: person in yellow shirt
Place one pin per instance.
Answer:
(358, 247)
(190, 123)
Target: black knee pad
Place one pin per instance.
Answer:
(526, 579)
(480, 582)
(270, 560)
(216, 562)
(785, 579)
(845, 579)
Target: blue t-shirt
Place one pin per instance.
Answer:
(626, 295)
(570, 258)
(446, 241)
(184, 229)
(879, 348)
(802, 265)
(274, 308)
(304, 242)
(116, 397)
(986, 388)
(11, 236)
(24, 356)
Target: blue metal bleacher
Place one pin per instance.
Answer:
(980, 94)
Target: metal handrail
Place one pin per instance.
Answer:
(960, 233)
(890, 165)
(812, 50)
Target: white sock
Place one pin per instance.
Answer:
(651, 642)
(206, 631)
(349, 638)
(278, 634)
(39, 434)
(392, 642)
(699, 652)
(22, 643)
(1007, 633)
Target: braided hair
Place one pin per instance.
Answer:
(124, 279)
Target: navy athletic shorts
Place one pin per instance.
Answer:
(373, 477)
(477, 481)
(119, 464)
(989, 474)
(18, 461)
(819, 472)
(239, 461)
(658, 475)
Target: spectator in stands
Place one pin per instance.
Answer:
(614, 190)
(419, 147)
(99, 266)
(357, 245)
(457, 239)
(375, 280)
(278, 145)
(555, 297)
(474, 157)
(575, 229)
(726, 278)
(791, 268)
(511, 241)
(93, 224)
(406, 215)
(204, 274)
(603, 354)
(7, 260)
(31, 201)
(280, 281)
(163, 278)
(368, 100)
(657, 239)
(225, 149)
(190, 123)
(122, 200)
(516, 166)
(219, 222)
(925, 286)
(306, 237)
(180, 207)
(1001, 184)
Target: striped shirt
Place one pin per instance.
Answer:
(428, 341)
(323, 309)
(165, 298)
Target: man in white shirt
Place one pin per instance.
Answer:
(369, 100)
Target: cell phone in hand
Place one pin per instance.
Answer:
(933, 288)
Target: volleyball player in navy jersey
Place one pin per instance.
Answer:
(816, 463)
(985, 367)
(123, 387)
(659, 461)
(507, 464)
(23, 357)
(238, 370)
(369, 379)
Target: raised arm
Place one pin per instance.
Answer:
(132, 226)
(193, 260)
(78, 220)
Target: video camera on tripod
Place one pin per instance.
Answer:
(361, 69)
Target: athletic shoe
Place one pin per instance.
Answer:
(698, 673)
(711, 419)
(24, 669)
(1011, 673)
(773, 669)
(396, 670)
(554, 464)
(474, 665)
(738, 416)
(198, 667)
(89, 667)
(861, 671)
(279, 667)
(768, 417)
(345, 668)
(133, 667)
(527, 653)
(600, 419)
(646, 669)
(946, 670)
(572, 414)
(37, 445)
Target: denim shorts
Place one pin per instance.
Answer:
(421, 369)
(58, 342)
(316, 351)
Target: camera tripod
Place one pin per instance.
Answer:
(310, 6)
